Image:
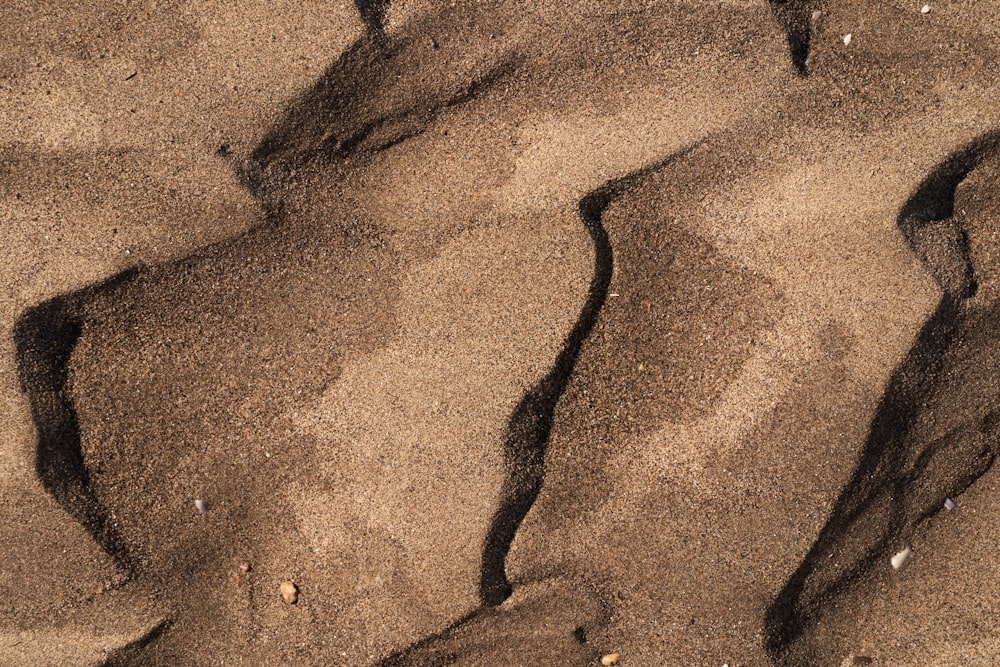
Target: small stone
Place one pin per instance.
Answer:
(949, 504)
(610, 659)
(244, 567)
(847, 39)
(926, 9)
(201, 506)
(816, 15)
(899, 560)
(289, 592)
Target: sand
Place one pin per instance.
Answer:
(511, 333)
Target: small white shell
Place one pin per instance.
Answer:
(899, 560)
(816, 14)
(201, 506)
(926, 9)
(949, 504)
(847, 39)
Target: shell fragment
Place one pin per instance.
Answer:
(899, 560)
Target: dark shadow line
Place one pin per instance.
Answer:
(373, 15)
(44, 339)
(402, 658)
(934, 198)
(881, 476)
(412, 123)
(795, 19)
(530, 424)
(317, 127)
(131, 655)
(306, 122)
(881, 461)
(434, 650)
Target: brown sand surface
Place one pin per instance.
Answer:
(692, 306)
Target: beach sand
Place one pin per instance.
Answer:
(511, 333)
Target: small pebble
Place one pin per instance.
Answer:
(289, 592)
(949, 504)
(926, 9)
(201, 506)
(610, 659)
(899, 560)
(816, 14)
(847, 39)
(244, 567)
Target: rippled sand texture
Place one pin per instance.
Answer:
(512, 333)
